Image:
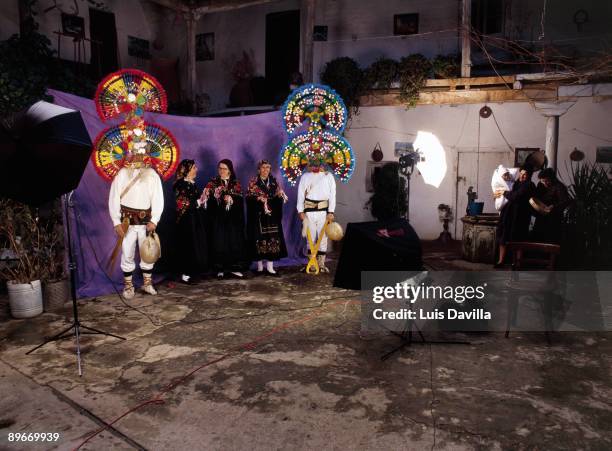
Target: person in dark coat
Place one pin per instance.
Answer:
(265, 236)
(552, 193)
(224, 202)
(515, 217)
(190, 223)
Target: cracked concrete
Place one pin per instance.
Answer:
(308, 379)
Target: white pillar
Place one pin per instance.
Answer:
(552, 140)
(552, 111)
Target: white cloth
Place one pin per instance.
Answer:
(317, 186)
(146, 193)
(498, 183)
(316, 221)
(134, 235)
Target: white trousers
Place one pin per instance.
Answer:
(135, 234)
(316, 221)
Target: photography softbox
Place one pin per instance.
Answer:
(377, 246)
(43, 153)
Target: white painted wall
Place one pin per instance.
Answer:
(9, 18)
(132, 17)
(457, 129)
(363, 30)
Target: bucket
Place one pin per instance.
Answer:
(475, 208)
(55, 295)
(25, 299)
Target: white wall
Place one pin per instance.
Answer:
(457, 129)
(9, 18)
(363, 30)
(132, 17)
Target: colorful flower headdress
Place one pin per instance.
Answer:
(131, 93)
(314, 117)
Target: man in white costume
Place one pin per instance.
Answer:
(316, 203)
(135, 204)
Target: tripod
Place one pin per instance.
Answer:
(76, 326)
(406, 337)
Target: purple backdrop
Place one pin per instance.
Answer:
(245, 140)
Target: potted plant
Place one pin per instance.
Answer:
(20, 235)
(56, 290)
(346, 77)
(242, 71)
(588, 219)
(413, 71)
(445, 66)
(381, 74)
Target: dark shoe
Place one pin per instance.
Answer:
(220, 275)
(498, 265)
(273, 274)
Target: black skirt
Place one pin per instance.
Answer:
(226, 235)
(265, 232)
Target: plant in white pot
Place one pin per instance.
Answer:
(56, 289)
(20, 235)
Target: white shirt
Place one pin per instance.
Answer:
(146, 193)
(317, 186)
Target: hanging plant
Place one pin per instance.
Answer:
(445, 66)
(346, 77)
(381, 74)
(413, 72)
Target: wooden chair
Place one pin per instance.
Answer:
(544, 287)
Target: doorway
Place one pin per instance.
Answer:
(282, 51)
(103, 35)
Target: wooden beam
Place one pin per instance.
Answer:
(466, 44)
(471, 81)
(215, 7)
(191, 18)
(390, 98)
(308, 8)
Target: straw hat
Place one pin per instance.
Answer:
(334, 231)
(150, 249)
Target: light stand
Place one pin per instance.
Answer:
(406, 337)
(76, 326)
(406, 163)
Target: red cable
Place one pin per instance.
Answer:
(157, 399)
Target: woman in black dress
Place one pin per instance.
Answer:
(265, 200)
(223, 200)
(515, 217)
(190, 223)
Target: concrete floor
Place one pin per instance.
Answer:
(280, 363)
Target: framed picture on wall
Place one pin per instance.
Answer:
(73, 25)
(404, 24)
(205, 47)
(138, 47)
(521, 153)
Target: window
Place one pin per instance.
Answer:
(487, 16)
(405, 24)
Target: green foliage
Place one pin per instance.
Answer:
(28, 68)
(413, 72)
(445, 66)
(389, 200)
(346, 77)
(20, 234)
(24, 76)
(381, 74)
(588, 240)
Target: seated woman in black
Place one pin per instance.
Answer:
(190, 223)
(515, 217)
(223, 200)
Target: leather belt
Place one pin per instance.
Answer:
(315, 205)
(135, 215)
